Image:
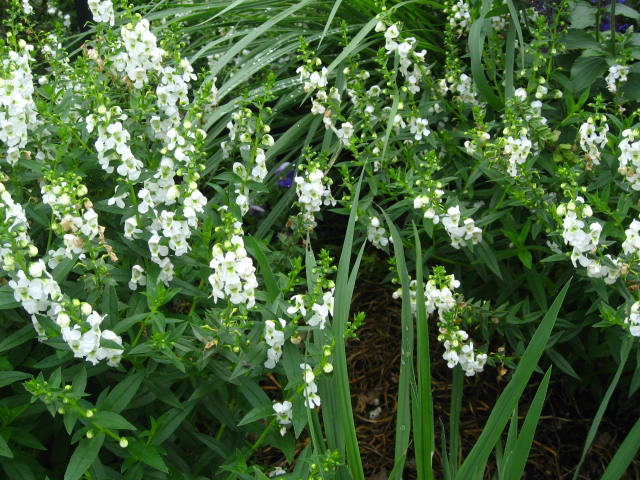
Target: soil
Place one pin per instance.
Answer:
(374, 366)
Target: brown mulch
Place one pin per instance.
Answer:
(374, 366)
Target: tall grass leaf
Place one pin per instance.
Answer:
(253, 34)
(513, 12)
(511, 394)
(330, 18)
(517, 459)
(476, 47)
(423, 403)
(403, 415)
(624, 455)
(624, 355)
(353, 45)
(254, 248)
(457, 389)
(341, 412)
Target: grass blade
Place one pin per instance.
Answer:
(403, 422)
(340, 412)
(509, 398)
(423, 405)
(625, 454)
(457, 387)
(624, 354)
(517, 459)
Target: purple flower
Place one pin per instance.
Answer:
(287, 181)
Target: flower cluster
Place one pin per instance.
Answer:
(275, 339)
(617, 75)
(633, 320)
(17, 108)
(629, 158)
(312, 187)
(593, 138)
(459, 17)
(311, 78)
(320, 311)
(77, 221)
(439, 297)
(102, 11)
(409, 56)
(233, 274)
(141, 54)
(460, 234)
(39, 293)
(251, 134)
(583, 237)
(517, 151)
(113, 142)
(310, 392)
(376, 233)
(430, 204)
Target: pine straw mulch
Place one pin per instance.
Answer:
(374, 366)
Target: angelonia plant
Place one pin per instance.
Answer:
(170, 201)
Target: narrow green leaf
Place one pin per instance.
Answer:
(509, 398)
(5, 451)
(83, 457)
(625, 454)
(624, 355)
(518, 457)
(422, 406)
(148, 454)
(254, 248)
(7, 378)
(112, 420)
(403, 413)
(16, 339)
(123, 393)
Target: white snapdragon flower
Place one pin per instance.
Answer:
(630, 158)
(376, 234)
(313, 192)
(517, 150)
(617, 75)
(275, 339)
(310, 392)
(593, 139)
(102, 11)
(138, 277)
(633, 320)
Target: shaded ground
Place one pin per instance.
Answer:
(374, 365)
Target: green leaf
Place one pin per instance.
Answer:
(255, 249)
(83, 457)
(624, 455)
(7, 378)
(7, 300)
(517, 460)
(123, 393)
(5, 451)
(586, 70)
(591, 435)
(627, 11)
(111, 420)
(257, 413)
(23, 335)
(562, 363)
(583, 15)
(148, 454)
